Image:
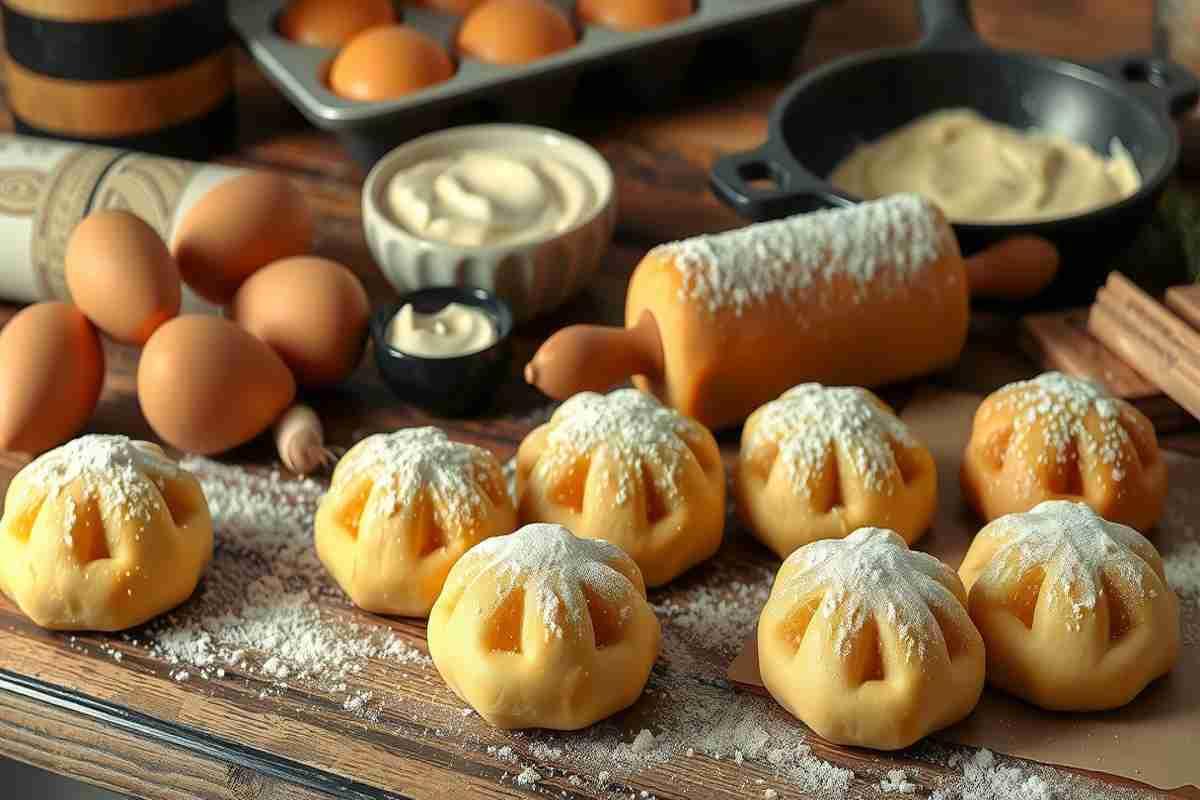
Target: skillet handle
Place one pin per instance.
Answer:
(792, 189)
(1166, 85)
(946, 24)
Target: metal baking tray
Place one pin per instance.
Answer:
(763, 36)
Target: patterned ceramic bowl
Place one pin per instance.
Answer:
(533, 276)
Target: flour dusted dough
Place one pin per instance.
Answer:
(103, 533)
(623, 468)
(1076, 611)
(541, 629)
(820, 462)
(402, 508)
(868, 643)
(1062, 438)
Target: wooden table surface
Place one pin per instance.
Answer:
(68, 706)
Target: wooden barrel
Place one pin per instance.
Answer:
(150, 75)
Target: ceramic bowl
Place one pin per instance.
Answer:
(534, 276)
(448, 386)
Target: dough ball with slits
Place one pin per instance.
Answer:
(401, 510)
(1075, 610)
(869, 643)
(1062, 438)
(541, 629)
(103, 533)
(624, 468)
(820, 462)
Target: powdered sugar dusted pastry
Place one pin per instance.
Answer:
(820, 462)
(401, 509)
(868, 642)
(541, 629)
(1062, 438)
(1075, 610)
(103, 533)
(623, 468)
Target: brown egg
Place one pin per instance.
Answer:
(241, 225)
(387, 62)
(332, 23)
(633, 15)
(312, 312)
(51, 374)
(205, 385)
(457, 7)
(121, 275)
(515, 31)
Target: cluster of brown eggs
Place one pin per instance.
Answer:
(380, 58)
(205, 383)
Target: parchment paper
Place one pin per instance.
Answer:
(1156, 738)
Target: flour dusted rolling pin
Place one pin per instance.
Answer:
(718, 325)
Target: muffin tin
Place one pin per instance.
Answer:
(651, 65)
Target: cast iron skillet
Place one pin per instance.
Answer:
(823, 115)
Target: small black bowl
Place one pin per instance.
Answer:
(454, 386)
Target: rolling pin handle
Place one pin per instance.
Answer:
(582, 358)
(1016, 268)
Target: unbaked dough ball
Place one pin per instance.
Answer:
(401, 509)
(103, 534)
(868, 643)
(624, 468)
(542, 629)
(1075, 610)
(1061, 438)
(820, 462)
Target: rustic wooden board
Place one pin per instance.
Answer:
(68, 706)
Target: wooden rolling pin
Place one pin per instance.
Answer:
(718, 325)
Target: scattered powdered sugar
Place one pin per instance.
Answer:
(528, 777)
(459, 479)
(644, 742)
(983, 779)
(896, 782)
(1079, 551)
(1060, 406)
(810, 422)
(871, 574)
(124, 475)
(256, 610)
(878, 245)
(639, 435)
(556, 568)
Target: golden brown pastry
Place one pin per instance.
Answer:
(401, 509)
(820, 462)
(1062, 438)
(623, 468)
(868, 643)
(103, 533)
(541, 629)
(1075, 610)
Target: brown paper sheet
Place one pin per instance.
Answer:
(1154, 740)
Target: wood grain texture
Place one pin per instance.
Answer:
(234, 744)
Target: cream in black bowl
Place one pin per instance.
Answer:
(414, 348)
